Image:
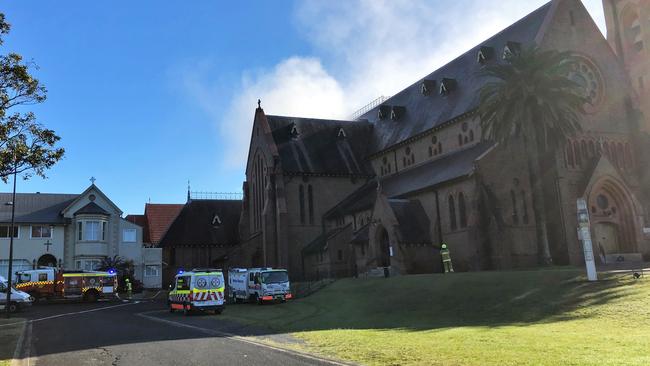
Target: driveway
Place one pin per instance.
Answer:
(144, 334)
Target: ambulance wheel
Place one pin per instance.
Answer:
(35, 298)
(218, 311)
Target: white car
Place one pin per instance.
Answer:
(19, 300)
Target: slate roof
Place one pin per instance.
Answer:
(444, 169)
(205, 222)
(424, 112)
(320, 242)
(362, 235)
(92, 209)
(36, 208)
(158, 217)
(413, 221)
(319, 148)
(361, 199)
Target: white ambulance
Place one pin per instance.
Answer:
(201, 289)
(258, 285)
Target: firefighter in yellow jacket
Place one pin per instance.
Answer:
(446, 258)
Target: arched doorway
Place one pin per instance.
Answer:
(384, 247)
(46, 260)
(612, 218)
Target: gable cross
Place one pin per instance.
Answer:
(47, 245)
(92, 180)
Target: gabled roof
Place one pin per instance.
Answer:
(430, 174)
(319, 244)
(92, 209)
(413, 221)
(93, 187)
(157, 219)
(36, 208)
(426, 112)
(361, 199)
(139, 220)
(205, 222)
(317, 146)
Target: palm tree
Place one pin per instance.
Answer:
(531, 97)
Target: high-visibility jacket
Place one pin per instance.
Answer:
(445, 255)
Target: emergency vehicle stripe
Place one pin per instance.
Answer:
(35, 283)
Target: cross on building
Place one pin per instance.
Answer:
(47, 245)
(92, 180)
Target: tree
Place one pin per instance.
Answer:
(26, 146)
(533, 98)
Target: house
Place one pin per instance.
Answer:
(340, 198)
(74, 231)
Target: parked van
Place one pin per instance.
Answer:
(19, 299)
(258, 285)
(201, 289)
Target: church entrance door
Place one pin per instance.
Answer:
(607, 238)
(384, 248)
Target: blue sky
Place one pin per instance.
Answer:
(147, 95)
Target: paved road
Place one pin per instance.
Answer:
(138, 334)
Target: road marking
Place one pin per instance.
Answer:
(240, 339)
(68, 314)
(23, 353)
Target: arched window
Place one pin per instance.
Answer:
(452, 213)
(576, 149)
(460, 140)
(301, 198)
(585, 152)
(430, 151)
(524, 206)
(621, 155)
(628, 156)
(515, 215)
(471, 135)
(439, 147)
(462, 210)
(592, 148)
(569, 154)
(310, 197)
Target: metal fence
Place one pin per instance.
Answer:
(201, 195)
(368, 107)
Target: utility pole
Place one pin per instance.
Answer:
(11, 242)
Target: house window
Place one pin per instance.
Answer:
(462, 210)
(41, 231)
(6, 229)
(92, 231)
(129, 235)
(88, 264)
(79, 231)
(151, 271)
(104, 225)
(452, 213)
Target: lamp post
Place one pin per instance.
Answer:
(11, 244)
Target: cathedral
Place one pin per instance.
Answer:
(336, 198)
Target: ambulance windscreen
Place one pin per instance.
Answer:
(275, 277)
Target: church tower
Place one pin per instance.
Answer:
(628, 32)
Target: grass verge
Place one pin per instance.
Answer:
(9, 338)
(546, 317)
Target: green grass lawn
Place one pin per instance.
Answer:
(545, 317)
(8, 338)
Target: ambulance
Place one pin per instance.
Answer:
(259, 285)
(201, 289)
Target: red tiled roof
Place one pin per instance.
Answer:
(159, 217)
(140, 220)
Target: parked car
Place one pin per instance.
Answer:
(19, 299)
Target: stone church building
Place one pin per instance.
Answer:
(342, 198)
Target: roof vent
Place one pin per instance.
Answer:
(397, 112)
(341, 134)
(216, 221)
(293, 130)
(447, 86)
(384, 111)
(485, 54)
(427, 86)
(511, 49)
